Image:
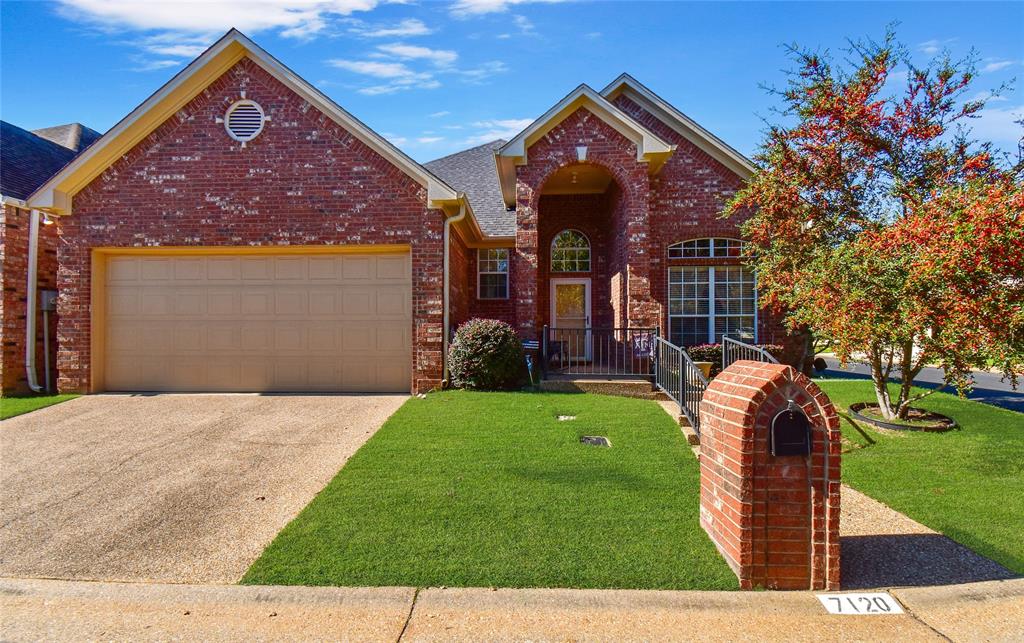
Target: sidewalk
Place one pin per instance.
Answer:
(51, 609)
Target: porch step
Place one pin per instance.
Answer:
(639, 387)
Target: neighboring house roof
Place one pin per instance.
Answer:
(650, 148)
(56, 194)
(27, 161)
(473, 171)
(74, 136)
(680, 122)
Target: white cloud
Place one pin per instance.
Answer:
(404, 29)
(185, 30)
(440, 114)
(502, 128)
(989, 97)
(373, 68)
(483, 72)
(466, 8)
(996, 65)
(427, 140)
(934, 46)
(297, 18)
(998, 124)
(439, 57)
(153, 65)
(526, 27)
(395, 139)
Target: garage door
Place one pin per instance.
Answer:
(338, 322)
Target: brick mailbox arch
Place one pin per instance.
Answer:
(775, 518)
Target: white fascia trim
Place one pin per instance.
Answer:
(686, 126)
(9, 200)
(649, 146)
(648, 142)
(438, 192)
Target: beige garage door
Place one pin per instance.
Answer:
(339, 322)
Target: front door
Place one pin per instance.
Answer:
(570, 318)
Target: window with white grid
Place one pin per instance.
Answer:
(707, 302)
(492, 273)
(706, 248)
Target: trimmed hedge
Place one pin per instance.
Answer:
(713, 353)
(486, 355)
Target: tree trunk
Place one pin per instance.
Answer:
(880, 380)
(906, 380)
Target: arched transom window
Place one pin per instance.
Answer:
(717, 247)
(570, 252)
(710, 300)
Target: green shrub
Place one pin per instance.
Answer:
(487, 355)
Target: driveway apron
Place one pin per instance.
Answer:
(173, 488)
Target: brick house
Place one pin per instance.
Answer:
(240, 231)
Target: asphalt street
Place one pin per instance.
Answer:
(989, 388)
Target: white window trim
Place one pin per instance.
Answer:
(711, 248)
(588, 248)
(508, 265)
(711, 303)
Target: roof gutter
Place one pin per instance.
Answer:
(31, 304)
(446, 295)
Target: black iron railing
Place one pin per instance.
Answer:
(598, 351)
(734, 350)
(677, 376)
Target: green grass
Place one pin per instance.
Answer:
(11, 406)
(490, 489)
(967, 483)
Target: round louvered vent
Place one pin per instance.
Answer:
(244, 120)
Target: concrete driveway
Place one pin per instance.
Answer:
(174, 488)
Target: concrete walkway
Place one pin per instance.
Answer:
(52, 609)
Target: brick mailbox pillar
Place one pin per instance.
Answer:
(769, 476)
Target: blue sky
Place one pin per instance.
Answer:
(436, 77)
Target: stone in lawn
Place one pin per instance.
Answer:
(595, 440)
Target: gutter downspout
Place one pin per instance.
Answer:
(31, 304)
(446, 295)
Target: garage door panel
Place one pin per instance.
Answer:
(393, 268)
(256, 269)
(291, 302)
(265, 323)
(122, 270)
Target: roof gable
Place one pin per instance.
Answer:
(74, 136)
(57, 194)
(681, 123)
(650, 148)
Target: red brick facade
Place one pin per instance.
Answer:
(630, 226)
(775, 519)
(303, 181)
(14, 233)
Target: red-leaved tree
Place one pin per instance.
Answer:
(877, 223)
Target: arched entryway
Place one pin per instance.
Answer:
(583, 263)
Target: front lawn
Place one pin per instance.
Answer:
(967, 483)
(11, 406)
(491, 489)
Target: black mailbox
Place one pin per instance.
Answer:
(790, 432)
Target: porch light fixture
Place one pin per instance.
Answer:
(47, 220)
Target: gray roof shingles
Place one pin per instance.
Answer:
(27, 160)
(74, 136)
(474, 172)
